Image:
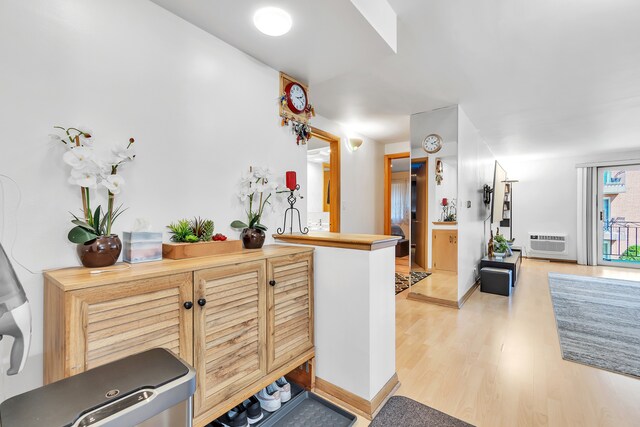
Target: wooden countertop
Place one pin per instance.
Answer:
(75, 278)
(363, 242)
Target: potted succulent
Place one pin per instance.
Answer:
(195, 238)
(257, 188)
(92, 169)
(196, 230)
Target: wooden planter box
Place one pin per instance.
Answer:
(192, 250)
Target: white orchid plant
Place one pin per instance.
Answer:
(258, 187)
(91, 169)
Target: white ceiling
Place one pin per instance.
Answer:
(545, 76)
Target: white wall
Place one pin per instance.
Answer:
(397, 147)
(448, 187)
(475, 168)
(130, 68)
(443, 122)
(361, 180)
(545, 199)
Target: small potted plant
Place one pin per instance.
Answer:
(195, 238)
(92, 169)
(501, 246)
(257, 188)
(196, 230)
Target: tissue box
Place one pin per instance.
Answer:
(142, 246)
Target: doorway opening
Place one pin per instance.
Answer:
(619, 216)
(419, 214)
(323, 181)
(397, 206)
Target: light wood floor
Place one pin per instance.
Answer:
(441, 284)
(496, 362)
(402, 265)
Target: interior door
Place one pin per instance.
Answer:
(619, 215)
(419, 223)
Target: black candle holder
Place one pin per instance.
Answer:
(292, 201)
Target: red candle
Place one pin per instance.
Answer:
(291, 180)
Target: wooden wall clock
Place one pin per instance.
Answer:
(295, 105)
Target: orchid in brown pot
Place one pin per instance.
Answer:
(94, 168)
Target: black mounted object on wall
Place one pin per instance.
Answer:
(486, 194)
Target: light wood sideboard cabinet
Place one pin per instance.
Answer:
(242, 320)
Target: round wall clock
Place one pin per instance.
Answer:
(296, 98)
(432, 143)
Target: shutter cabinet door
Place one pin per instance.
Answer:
(112, 322)
(289, 308)
(229, 331)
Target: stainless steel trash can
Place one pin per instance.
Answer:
(153, 388)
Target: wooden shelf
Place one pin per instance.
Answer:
(74, 278)
(364, 242)
(445, 223)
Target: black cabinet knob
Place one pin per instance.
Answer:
(202, 302)
(272, 282)
(188, 305)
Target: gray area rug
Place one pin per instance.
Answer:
(402, 411)
(598, 321)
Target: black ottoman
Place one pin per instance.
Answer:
(495, 281)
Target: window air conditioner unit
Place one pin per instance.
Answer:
(547, 243)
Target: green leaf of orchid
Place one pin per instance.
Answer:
(260, 227)
(79, 235)
(82, 224)
(96, 220)
(238, 224)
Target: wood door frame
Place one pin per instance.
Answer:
(334, 162)
(388, 158)
(426, 239)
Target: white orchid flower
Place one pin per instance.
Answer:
(262, 173)
(122, 153)
(247, 177)
(78, 157)
(83, 177)
(113, 183)
(243, 195)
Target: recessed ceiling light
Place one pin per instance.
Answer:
(272, 21)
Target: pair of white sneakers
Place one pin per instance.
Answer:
(274, 395)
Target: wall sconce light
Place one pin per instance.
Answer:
(354, 143)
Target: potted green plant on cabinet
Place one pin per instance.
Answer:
(257, 189)
(195, 238)
(92, 169)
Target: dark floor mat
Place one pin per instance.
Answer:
(402, 411)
